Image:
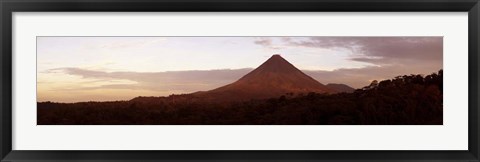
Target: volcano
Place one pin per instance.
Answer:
(274, 78)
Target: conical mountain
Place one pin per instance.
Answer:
(274, 78)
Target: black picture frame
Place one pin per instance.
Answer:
(7, 7)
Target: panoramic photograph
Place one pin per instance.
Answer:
(284, 80)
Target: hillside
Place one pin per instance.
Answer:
(340, 87)
(404, 100)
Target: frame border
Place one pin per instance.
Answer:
(7, 7)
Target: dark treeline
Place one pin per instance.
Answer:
(406, 100)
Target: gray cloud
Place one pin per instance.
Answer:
(374, 50)
(381, 50)
(267, 42)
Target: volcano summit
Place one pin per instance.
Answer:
(274, 78)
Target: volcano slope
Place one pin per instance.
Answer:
(274, 78)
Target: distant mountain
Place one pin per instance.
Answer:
(275, 77)
(340, 87)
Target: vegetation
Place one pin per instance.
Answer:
(406, 100)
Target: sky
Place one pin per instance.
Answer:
(74, 69)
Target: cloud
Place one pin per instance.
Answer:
(379, 50)
(373, 50)
(267, 42)
(360, 77)
(177, 81)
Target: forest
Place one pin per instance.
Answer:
(403, 100)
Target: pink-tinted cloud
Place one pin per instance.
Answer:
(180, 81)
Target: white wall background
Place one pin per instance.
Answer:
(450, 136)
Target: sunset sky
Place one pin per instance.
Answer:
(72, 69)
